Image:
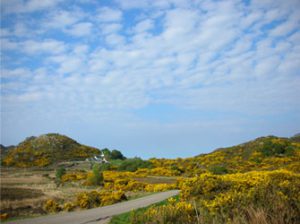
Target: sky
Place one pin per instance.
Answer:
(163, 78)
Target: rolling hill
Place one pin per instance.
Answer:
(45, 150)
(264, 153)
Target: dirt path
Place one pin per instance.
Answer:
(98, 215)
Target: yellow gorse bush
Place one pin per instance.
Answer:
(99, 198)
(231, 198)
(69, 206)
(174, 212)
(76, 176)
(125, 181)
(52, 206)
(158, 171)
(159, 187)
(275, 191)
(85, 200)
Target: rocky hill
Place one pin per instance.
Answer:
(45, 150)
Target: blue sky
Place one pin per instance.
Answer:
(164, 78)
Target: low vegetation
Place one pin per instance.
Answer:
(129, 216)
(254, 182)
(95, 177)
(85, 200)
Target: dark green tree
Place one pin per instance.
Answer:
(106, 152)
(116, 154)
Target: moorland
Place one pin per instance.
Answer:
(254, 182)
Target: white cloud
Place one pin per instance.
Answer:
(47, 46)
(81, 49)
(114, 39)
(267, 66)
(80, 29)
(20, 30)
(213, 57)
(62, 18)
(16, 73)
(67, 63)
(106, 14)
(4, 32)
(143, 26)
(284, 28)
(110, 28)
(7, 44)
(21, 6)
(131, 4)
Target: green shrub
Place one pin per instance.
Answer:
(96, 176)
(134, 164)
(60, 171)
(277, 147)
(106, 166)
(218, 170)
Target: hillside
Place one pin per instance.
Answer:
(254, 182)
(4, 149)
(296, 138)
(47, 149)
(264, 153)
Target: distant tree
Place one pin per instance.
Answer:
(106, 152)
(116, 154)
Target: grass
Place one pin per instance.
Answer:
(125, 217)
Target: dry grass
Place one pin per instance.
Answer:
(24, 191)
(257, 216)
(9, 193)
